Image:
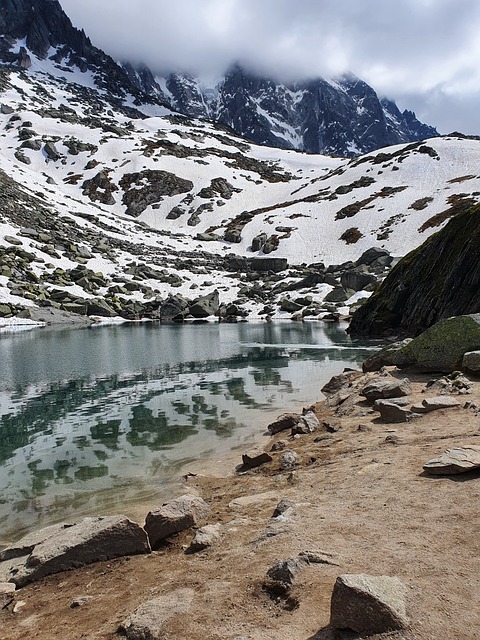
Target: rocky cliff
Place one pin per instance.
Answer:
(439, 279)
(42, 28)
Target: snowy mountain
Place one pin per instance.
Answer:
(343, 117)
(110, 204)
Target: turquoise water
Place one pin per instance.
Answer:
(94, 419)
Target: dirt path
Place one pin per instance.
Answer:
(359, 494)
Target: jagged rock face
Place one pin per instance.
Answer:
(439, 279)
(44, 25)
(342, 117)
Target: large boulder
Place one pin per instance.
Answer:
(368, 604)
(439, 279)
(442, 347)
(175, 516)
(91, 540)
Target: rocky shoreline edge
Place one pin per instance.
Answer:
(346, 524)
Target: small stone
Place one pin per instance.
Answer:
(254, 459)
(79, 601)
(19, 606)
(471, 362)
(205, 537)
(7, 587)
(288, 460)
(285, 571)
(147, 621)
(278, 446)
(308, 424)
(282, 507)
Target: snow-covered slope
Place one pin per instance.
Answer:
(157, 204)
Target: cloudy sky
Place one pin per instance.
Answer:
(425, 54)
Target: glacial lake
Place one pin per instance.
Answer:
(96, 419)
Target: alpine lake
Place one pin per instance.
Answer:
(96, 420)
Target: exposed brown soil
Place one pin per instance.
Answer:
(360, 494)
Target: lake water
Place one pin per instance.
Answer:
(94, 419)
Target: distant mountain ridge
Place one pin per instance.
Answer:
(342, 117)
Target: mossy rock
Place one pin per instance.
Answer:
(441, 347)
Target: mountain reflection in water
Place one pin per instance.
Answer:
(92, 420)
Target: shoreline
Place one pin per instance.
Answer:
(357, 493)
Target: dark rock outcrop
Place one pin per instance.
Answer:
(439, 279)
(44, 25)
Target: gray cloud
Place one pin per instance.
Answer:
(423, 53)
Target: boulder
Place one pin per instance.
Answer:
(368, 604)
(98, 307)
(374, 255)
(283, 422)
(471, 362)
(357, 279)
(308, 424)
(454, 461)
(173, 308)
(175, 516)
(386, 357)
(338, 294)
(386, 388)
(276, 265)
(91, 540)
(340, 381)
(442, 347)
(392, 412)
(148, 620)
(205, 306)
(205, 537)
(51, 151)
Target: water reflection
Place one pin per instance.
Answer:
(91, 419)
